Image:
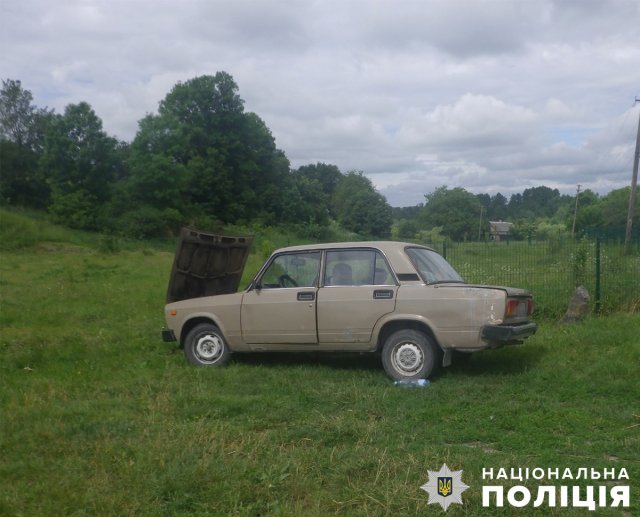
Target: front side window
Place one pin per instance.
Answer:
(432, 267)
(292, 270)
(356, 267)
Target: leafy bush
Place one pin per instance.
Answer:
(433, 236)
(555, 234)
(75, 209)
(148, 222)
(579, 259)
(405, 229)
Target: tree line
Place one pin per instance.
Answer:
(539, 212)
(203, 160)
(200, 160)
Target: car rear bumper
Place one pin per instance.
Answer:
(168, 335)
(505, 334)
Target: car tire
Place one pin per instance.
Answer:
(409, 354)
(205, 346)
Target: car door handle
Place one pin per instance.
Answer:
(382, 294)
(306, 296)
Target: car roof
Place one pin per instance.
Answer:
(392, 250)
(384, 246)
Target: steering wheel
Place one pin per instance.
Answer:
(284, 279)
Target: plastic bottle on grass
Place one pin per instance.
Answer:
(412, 383)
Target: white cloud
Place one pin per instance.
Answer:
(490, 95)
(462, 28)
(473, 121)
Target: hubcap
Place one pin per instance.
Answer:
(407, 358)
(209, 348)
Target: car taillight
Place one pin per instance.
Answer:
(512, 308)
(518, 307)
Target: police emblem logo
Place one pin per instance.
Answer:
(445, 487)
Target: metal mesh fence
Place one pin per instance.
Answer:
(552, 269)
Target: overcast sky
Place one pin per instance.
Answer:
(489, 95)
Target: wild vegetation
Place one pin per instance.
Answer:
(539, 213)
(99, 417)
(203, 160)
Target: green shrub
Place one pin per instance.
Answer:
(579, 259)
(74, 209)
(148, 222)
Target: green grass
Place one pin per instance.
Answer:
(99, 417)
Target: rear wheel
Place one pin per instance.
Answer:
(409, 354)
(205, 346)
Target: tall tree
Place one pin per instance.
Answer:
(498, 207)
(615, 206)
(317, 184)
(514, 207)
(606, 214)
(314, 200)
(534, 202)
(456, 210)
(80, 162)
(360, 208)
(327, 175)
(22, 127)
(17, 114)
(203, 156)
(485, 201)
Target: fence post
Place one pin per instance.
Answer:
(444, 249)
(598, 273)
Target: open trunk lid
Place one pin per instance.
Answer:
(206, 265)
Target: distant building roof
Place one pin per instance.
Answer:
(499, 227)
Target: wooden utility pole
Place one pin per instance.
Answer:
(575, 211)
(632, 195)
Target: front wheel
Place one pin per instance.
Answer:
(205, 346)
(409, 354)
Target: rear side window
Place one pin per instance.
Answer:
(433, 268)
(356, 267)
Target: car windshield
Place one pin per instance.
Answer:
(432, 267)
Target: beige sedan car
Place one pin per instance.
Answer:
(402, 300)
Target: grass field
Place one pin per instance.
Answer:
(99, 417)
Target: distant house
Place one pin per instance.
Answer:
(499, 230)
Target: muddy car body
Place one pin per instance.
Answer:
(403, 300)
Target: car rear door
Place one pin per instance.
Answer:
(358, 288)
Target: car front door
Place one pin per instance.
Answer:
(281, 308)
(358, 288)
